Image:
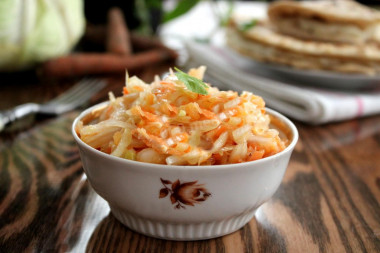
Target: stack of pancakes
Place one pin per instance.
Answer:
(340, 35)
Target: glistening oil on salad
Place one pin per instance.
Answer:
(180, 120)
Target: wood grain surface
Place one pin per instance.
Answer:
(329, 200)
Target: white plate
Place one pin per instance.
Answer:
(321, 78)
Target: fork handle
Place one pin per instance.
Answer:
(18, 112)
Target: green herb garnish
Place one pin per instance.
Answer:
(181, 8)
(225, 18)
(247, 25)
(192, 83)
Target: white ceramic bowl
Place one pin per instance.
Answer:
(184, 202)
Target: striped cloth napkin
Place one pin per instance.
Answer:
(311, 104)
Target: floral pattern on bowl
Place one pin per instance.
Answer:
(186, 193)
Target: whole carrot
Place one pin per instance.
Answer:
(140, 42)
(117, 34)
(97, 34)
(145, 42)
(96, 63)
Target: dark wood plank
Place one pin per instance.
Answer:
(329, 200)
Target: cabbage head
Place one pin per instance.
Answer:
(33, 31)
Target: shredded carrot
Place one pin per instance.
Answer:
(150, 116)
(109, 110)
(166, 83)
(221, 129)
(172, 108)
(181, 126)
(108, 150)
(217, 156)
(231, 112)
(147, 115)
(188, 149)
(139, 88)
(181, 137)
(255, 155)
(208, 114)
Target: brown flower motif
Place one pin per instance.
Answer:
(181, 194)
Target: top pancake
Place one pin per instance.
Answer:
(338, 11)
(266, 45)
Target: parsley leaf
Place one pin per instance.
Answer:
(181, 8)
(192, 83)
(247, 25)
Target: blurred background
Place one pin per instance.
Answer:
(34, 32)
(47, 46)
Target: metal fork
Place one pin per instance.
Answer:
(67, 101)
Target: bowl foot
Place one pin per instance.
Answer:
(179, 232)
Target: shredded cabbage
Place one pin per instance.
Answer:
(167, 123)
(36, 30)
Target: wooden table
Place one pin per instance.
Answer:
(329, 200)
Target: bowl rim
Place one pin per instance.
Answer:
(153, 166)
